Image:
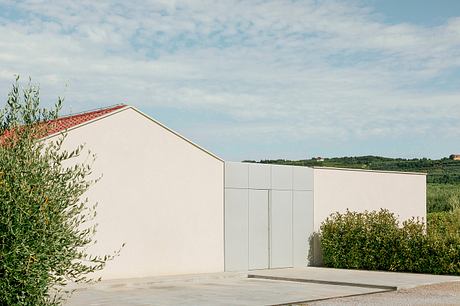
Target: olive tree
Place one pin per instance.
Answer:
(46, 223)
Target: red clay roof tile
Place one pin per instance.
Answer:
(64, 123)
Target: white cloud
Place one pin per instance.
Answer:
(287, 69)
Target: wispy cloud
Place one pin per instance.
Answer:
(297, 70)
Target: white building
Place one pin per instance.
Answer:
(181, 209)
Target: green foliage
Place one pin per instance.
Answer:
(376, 241)
(44, 227)
(443, 197)
(444, 223)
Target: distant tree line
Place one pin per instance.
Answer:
(441, 171)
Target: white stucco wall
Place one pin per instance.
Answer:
(159, 194)
(335, 190)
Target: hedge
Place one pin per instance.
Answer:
(377, 241)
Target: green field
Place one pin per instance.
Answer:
(443, 192)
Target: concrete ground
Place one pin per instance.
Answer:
(437, 294)
(287, 286)
(209, 289)
(371, 279)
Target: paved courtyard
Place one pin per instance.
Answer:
(235, 289)
(286, 286)
(371, 279)
(436, 294)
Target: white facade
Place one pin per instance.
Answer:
(268, 216)
(336, 190)
(181, 209)
(160, 194)
(272, 210)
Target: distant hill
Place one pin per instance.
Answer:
(441, 171)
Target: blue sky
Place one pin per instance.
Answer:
(253, 79)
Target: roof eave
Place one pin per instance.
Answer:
(141, 113)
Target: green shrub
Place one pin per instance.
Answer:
(444, 223)
(44, 229)
(377, 241)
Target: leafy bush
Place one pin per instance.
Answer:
(43, 221)
(377, 241)
(444, 223)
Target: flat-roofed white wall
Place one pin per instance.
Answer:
(336, 190)
(268, 215)
(159, 194)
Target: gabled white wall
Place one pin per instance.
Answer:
(159, 194)
(336, 190)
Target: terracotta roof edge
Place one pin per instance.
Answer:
(125, 107)
(122, 108)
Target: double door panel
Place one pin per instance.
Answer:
(270, 229)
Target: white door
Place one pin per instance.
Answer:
(302, 212)
(258, 229)
(281, 229)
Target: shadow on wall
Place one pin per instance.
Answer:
(315, 257)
